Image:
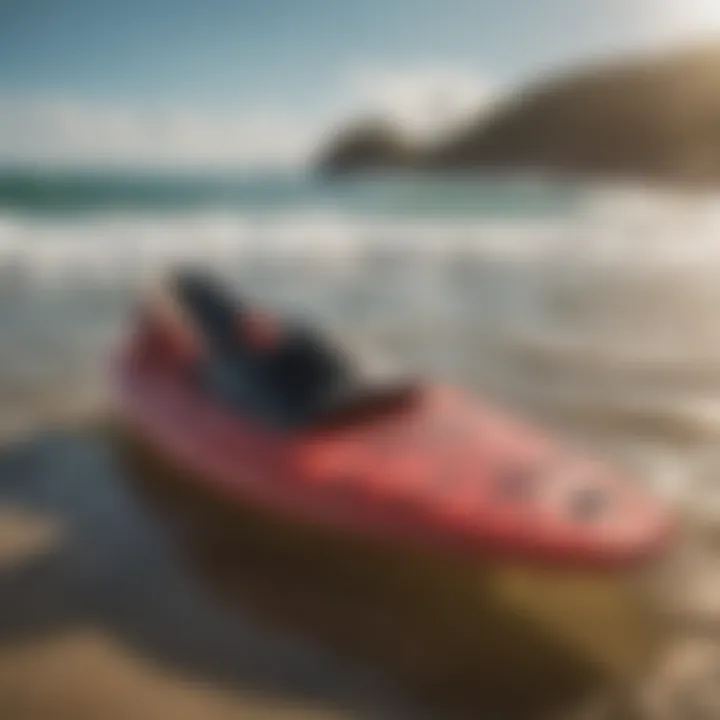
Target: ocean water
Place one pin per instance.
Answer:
(591, 308)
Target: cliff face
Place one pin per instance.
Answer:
(655, 118)
(367, 146)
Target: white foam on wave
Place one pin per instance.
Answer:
(619, 228)
(95, 243)
(624, 276)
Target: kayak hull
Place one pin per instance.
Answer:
(429, 469)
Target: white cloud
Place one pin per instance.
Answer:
(68, 132)
(424, 101)
(659, 22)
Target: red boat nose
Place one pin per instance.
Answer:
(612, 521)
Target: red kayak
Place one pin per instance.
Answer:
(420, 465)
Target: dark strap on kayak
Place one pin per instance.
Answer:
(214, 312)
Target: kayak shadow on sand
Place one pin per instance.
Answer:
(224, 596)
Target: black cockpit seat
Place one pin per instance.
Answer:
(215, 314)
(288, 384)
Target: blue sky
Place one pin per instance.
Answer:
(288, 65)
(223, 50)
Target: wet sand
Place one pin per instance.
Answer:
(125, 592)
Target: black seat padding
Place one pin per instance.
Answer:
(303, 374)
(214, 311)
(288, 385)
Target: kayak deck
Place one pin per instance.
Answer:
(428, 468)
(422, 465)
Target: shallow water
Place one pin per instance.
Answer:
(594, 317)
